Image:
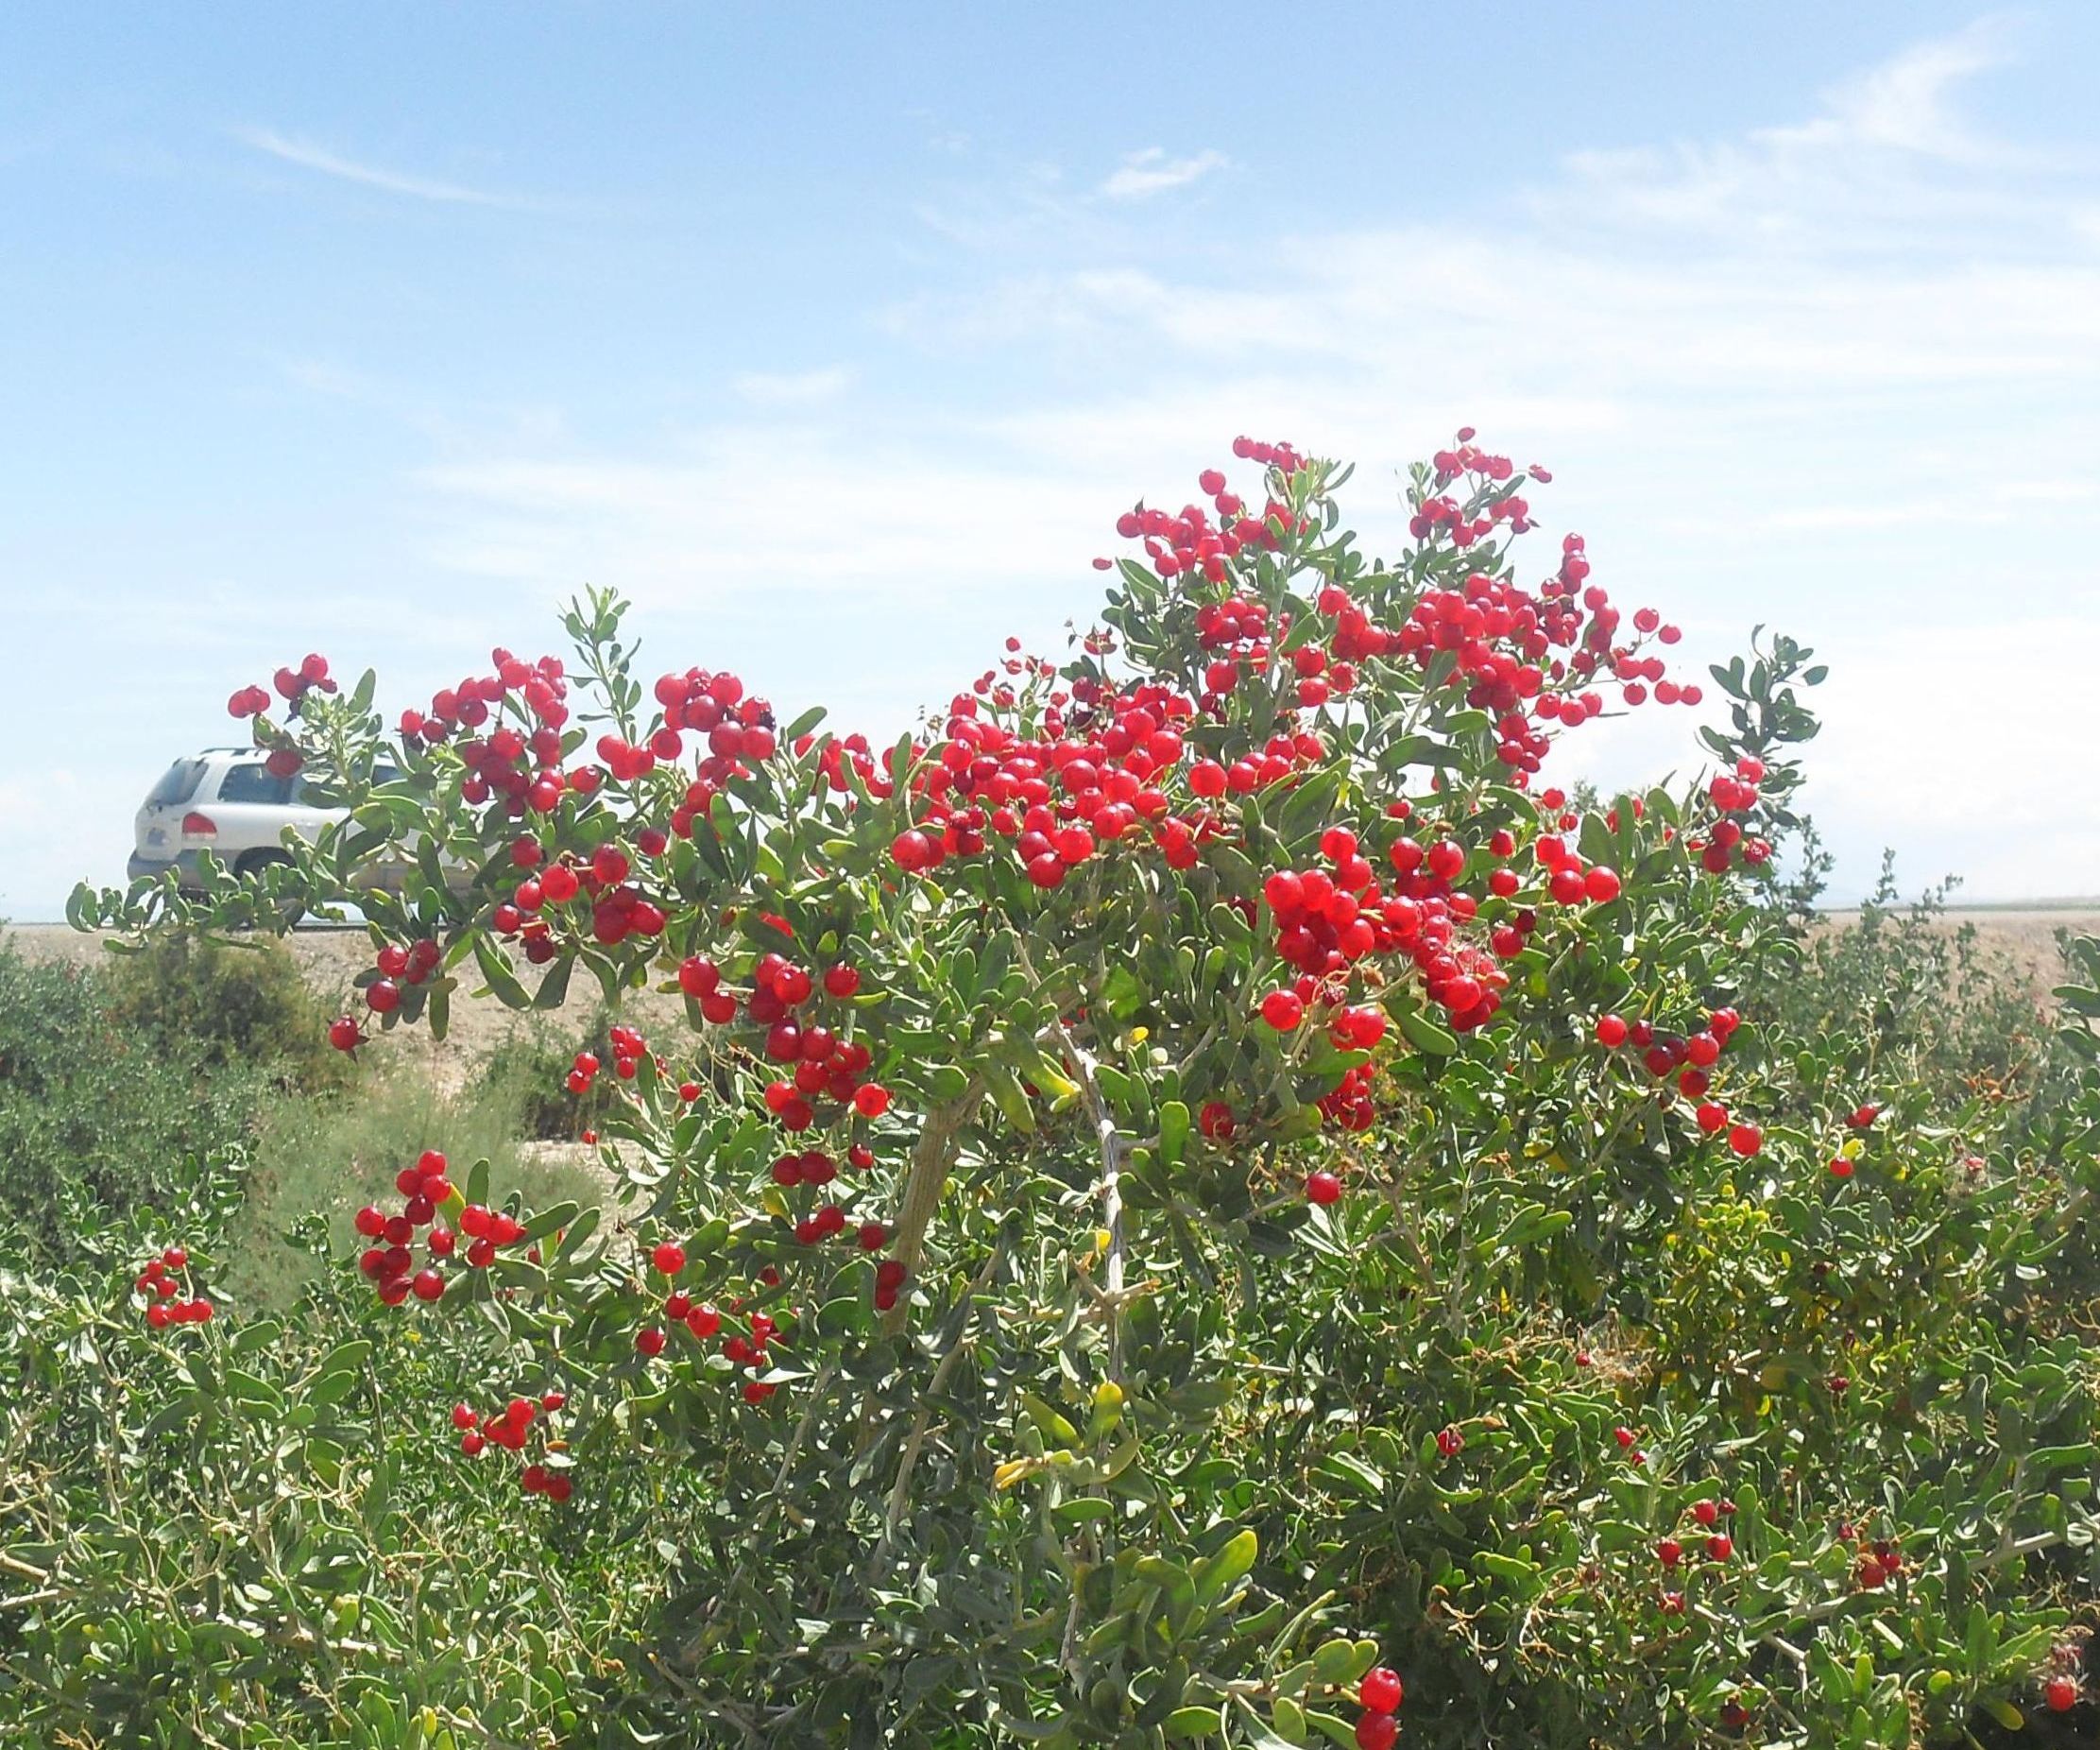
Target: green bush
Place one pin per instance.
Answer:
(220, 1003)
(262, 1537)
(99, 1117)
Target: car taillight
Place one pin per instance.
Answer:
(199, 826)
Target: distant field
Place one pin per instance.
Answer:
(2025, 930)
(332, 957)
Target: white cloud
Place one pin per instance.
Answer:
(1902, 103)
(794, 389)
(1152, 172)
(308, 156)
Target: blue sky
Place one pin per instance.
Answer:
(837, 337)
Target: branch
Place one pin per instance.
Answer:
(922, 1424)
(930, 1160)
(1111, 1147)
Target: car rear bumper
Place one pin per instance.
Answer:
(184, 862)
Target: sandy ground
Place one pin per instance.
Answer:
(2027, 935)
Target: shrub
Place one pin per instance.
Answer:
(218, 1003)
(244, 1541)
(98, 1117)
(1202, 1172)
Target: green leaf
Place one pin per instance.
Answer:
(1425, 1035)
(554, 1216)
(1216, 1576)
(497, 971)
(1173, 1131)
(553, 983)
(1347, 1469)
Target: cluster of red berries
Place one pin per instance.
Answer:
(163, 1285)
(1234, 632)
(704, 1323)
(1189, 544)
(292, 684)
(1061, 799)
(397, 966)
(1568, 881)
(1379, 1694)
(736, 726)
(628, 1049)
(1670, 1552)
(542, 686)
(425, 1190)
(1693, 1057)
(814, 1168)
(1881, 1559)
(510, 1428)
(1719, 1545)
(618, 907)
(1727, 842)
(827, 1067)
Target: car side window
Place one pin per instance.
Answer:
(253, 782)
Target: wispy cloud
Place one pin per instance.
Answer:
(1152, 172)
(1902, 103)
(802, 389)
(319, 159)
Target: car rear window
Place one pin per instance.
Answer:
(253, 782)
(177, 785)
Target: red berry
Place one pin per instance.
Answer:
(1610, 1031)
(2060, 1695)
(1377, 1731)
(649, 1340)
(669, 1258)
(1746, 1139)
(1381, 1690)
(1322, 1189)
(1283, 1009)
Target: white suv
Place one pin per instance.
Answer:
(228, 801)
